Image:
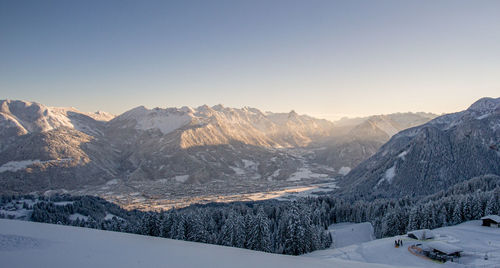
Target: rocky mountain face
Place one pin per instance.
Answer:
(180, 151)
(431, 157)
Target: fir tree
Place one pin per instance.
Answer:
(260, 238)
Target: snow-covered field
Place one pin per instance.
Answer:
(20, 165)
(30, 244)
(346, 234)
(474, 239)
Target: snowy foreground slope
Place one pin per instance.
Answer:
(474, 239)
(30, 244)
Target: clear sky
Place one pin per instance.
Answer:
(323, 58)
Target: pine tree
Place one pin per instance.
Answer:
(492, 207)
(180, 228)
(414, 219)
(167, 225)
(260, 238)
(196, 229)
(226, 235)
(467, 208)
(294, 233)
(457, 213)
(441, 217)
(151, 224)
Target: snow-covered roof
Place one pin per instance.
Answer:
(444, 247)
(494, 218)
(422, 234)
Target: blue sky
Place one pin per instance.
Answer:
(323, 58)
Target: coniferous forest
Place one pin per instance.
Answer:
(286, 227)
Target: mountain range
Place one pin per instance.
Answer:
(181, 151)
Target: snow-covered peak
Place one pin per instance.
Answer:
(101, 116)
(187, 109)
(479, 110)
(165, 120)
(219, 125)
(36, 117)
(218, 107)
(485, 105)
(203, 108)
(135, 112)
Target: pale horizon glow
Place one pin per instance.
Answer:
(327, 59)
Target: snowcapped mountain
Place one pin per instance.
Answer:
(356, 139)
(20, 117)
(431, 157)
(186, 145)
(51, 148)
(206, 126)
(180, 151)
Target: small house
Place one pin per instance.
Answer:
(491, 221)
(443, 251)
(422, 234)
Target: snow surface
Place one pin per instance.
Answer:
(344, 170)
(110, 216)
(112, 182)
(237, 170)
(101, 116)
(346, 234)
(181, 178)
(485, 104)
(249, 164)
(166, 120)
(14, 166)
(388, 175)
(422, 234)
(63, 203)
(79, 216)
(403, 154)
(17, 165)
(482, 116)
(166, 123)
(474, 239)
(31, 244)
(275, 174)
(19, 213)
(305, 173)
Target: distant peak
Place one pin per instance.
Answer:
(187, 109)
(218, 107)
(139, 110)
(204, 107)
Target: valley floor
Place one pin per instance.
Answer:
(136, 200)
